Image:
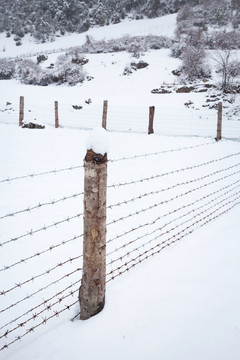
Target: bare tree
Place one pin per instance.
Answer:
(193, 55)
(227, 66)
(226, 60)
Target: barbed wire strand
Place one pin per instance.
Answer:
(173, 171)
(44, 228)
(43, 322)
(114, 221)
(40, 205)
(39, 253)
(161, 152)
(39, 290)
(166, 224)
(174, 227)
(125, 202)
(33, 317)
(42, 173)
(175, 238)
(21, 284)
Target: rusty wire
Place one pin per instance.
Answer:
(39, 253)
(47, 272)
(114, 221)
(43, 322)
(42, 173)
(168, 230)
(43, 228)
(166, 243)
(40, 205)
(44, 302)
(174, 211)
(161, 152)
(174, 171)
(39, 290)
(198, 219)
(47, 308)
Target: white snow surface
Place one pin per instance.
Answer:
(180, 304)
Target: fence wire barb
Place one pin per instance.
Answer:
(164, 244)
(173, 171)
(47, 272)
(162, 152)
(114, 221)
(44, 228)
(174, 211)
(50, 248)
(40, 205)
(168, 231)
(43, 322)
(35, 315)
(40, 290)
(41, 173)
(157, 237)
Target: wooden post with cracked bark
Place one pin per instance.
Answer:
(104, 115)
(21, 110)
(56, 114)
(92, 290)
(151, 118)
(219, 122)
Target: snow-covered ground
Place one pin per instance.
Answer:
(176, 195)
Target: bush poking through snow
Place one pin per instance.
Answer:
(134, 66)
(7, 69)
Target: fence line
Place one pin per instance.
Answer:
(204, 197)
(132, 119)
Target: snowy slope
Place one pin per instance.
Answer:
(180, 304)
(160, 26)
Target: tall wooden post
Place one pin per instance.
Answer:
(104, 115)
(56, 114)
(92, 290)
(21, 110)
(151, 117)
(219, 122)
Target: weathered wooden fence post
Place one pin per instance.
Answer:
(21, 110)
(219, 122)
(151, 117)
(104, 115)
(92, 290)
(56, 114)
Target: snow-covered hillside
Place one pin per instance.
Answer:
(173, 194)
(160, 26)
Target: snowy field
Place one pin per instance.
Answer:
(172, 213)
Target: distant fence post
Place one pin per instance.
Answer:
(21, 110)
(219, 122)
(92, 290)
(104, 115)
(56, 114)
(151, 118)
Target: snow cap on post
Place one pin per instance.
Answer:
(97, 145)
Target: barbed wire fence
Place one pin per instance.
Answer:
(163, 120)
(42, 266)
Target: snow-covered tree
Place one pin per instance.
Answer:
(193, 56)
